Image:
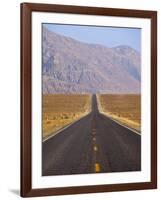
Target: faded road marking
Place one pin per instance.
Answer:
(95, 148)
(94, 132)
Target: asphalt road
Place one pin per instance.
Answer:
(94, 144)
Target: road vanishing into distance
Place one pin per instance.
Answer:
(93, 144)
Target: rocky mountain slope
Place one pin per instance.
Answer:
(70, 66)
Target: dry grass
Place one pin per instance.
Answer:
(60, 110)
(125, 108)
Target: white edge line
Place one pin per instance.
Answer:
(121, 124)
(64, 128)
(134, 131)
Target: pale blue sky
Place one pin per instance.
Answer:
(107, 36)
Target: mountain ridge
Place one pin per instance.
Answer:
(71, 66)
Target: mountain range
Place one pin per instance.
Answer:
(71, 66)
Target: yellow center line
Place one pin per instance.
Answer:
(95, 148)
(97, 167)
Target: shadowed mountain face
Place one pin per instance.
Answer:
(70, 66)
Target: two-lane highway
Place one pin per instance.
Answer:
(93, 144)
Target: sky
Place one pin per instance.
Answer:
(107, 36)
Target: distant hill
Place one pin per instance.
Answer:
(70, 66)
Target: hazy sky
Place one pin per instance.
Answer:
(107, 36)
